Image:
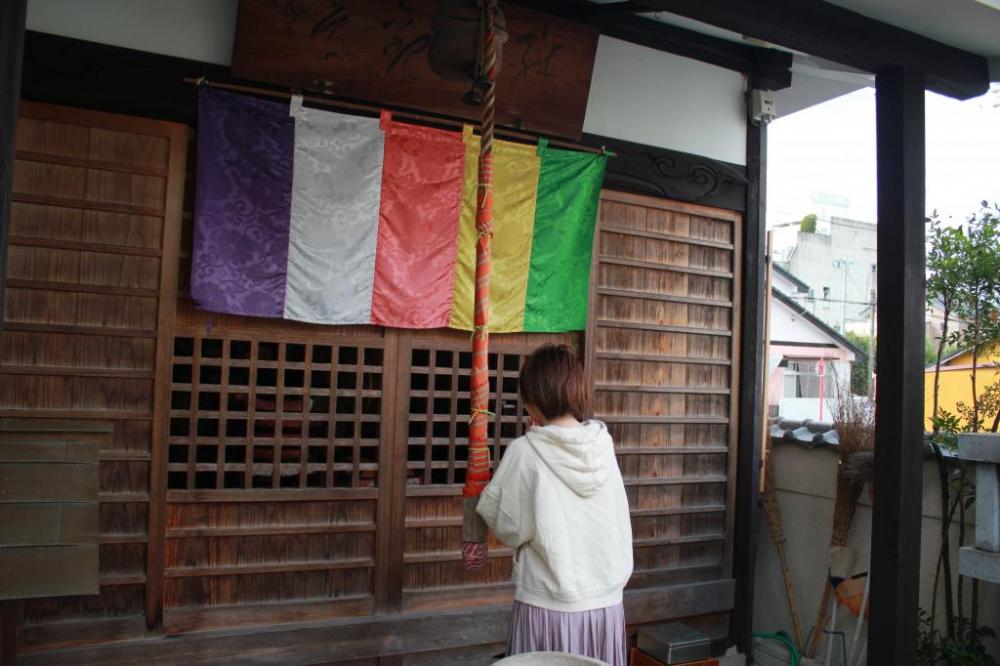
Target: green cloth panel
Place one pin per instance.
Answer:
(569, 190)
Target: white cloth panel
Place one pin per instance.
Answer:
(336, 189)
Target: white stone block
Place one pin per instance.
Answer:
(988, 507)
(981, 564)
(984, 450)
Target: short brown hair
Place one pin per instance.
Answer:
(553, 382)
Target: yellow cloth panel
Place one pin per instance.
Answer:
(515, 185)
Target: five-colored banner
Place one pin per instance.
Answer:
(330, 218)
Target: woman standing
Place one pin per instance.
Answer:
(558, 500)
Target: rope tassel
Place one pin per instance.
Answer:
(474, 548)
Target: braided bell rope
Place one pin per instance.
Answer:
(478, 469)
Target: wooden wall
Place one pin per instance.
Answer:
(266, 472)
(89, 302)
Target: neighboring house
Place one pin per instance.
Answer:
(802, 349)
(838, 269)
(956, 379)
(935, 321)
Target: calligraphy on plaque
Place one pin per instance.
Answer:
(376, 50)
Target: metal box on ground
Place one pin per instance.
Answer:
(673, 643)
(640, 658)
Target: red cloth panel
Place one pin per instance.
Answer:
(422, 173)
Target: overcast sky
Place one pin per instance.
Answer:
(824, 157)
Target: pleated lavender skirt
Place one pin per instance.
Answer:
(599, 633)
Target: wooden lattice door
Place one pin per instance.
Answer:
(433, 422)
(661, 349)
(273, 469)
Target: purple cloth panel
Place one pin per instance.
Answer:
(244, 198)
(598, 633)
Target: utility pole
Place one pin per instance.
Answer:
(871, 338)
(871, 350)
(843, 265)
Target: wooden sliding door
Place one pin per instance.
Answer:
(661, 349)
(91, 290)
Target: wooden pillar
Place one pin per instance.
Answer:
(899, 391)
(9, 628)
(750, 387)
(12, 13)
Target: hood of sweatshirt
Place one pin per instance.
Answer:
(582, 458)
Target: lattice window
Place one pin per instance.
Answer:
(437, 448)
(262, 414)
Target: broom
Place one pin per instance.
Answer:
(841, 562)
(772, 511)
(769, 496)
(848, 492)
(856, 435)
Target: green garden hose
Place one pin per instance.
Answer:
(782, 637)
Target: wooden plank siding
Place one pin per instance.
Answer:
(662, 354)
(89, 302)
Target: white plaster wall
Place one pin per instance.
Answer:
(643, 95)
(196, 29)
(789, 326)
(806, 482)
(800, 409)
(781, 283)
(637, 93)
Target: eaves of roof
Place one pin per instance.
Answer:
(861, 355)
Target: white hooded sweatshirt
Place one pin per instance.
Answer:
(558, 500)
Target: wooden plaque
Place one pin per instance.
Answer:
(377, 50)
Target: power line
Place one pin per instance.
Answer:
(838, 301)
